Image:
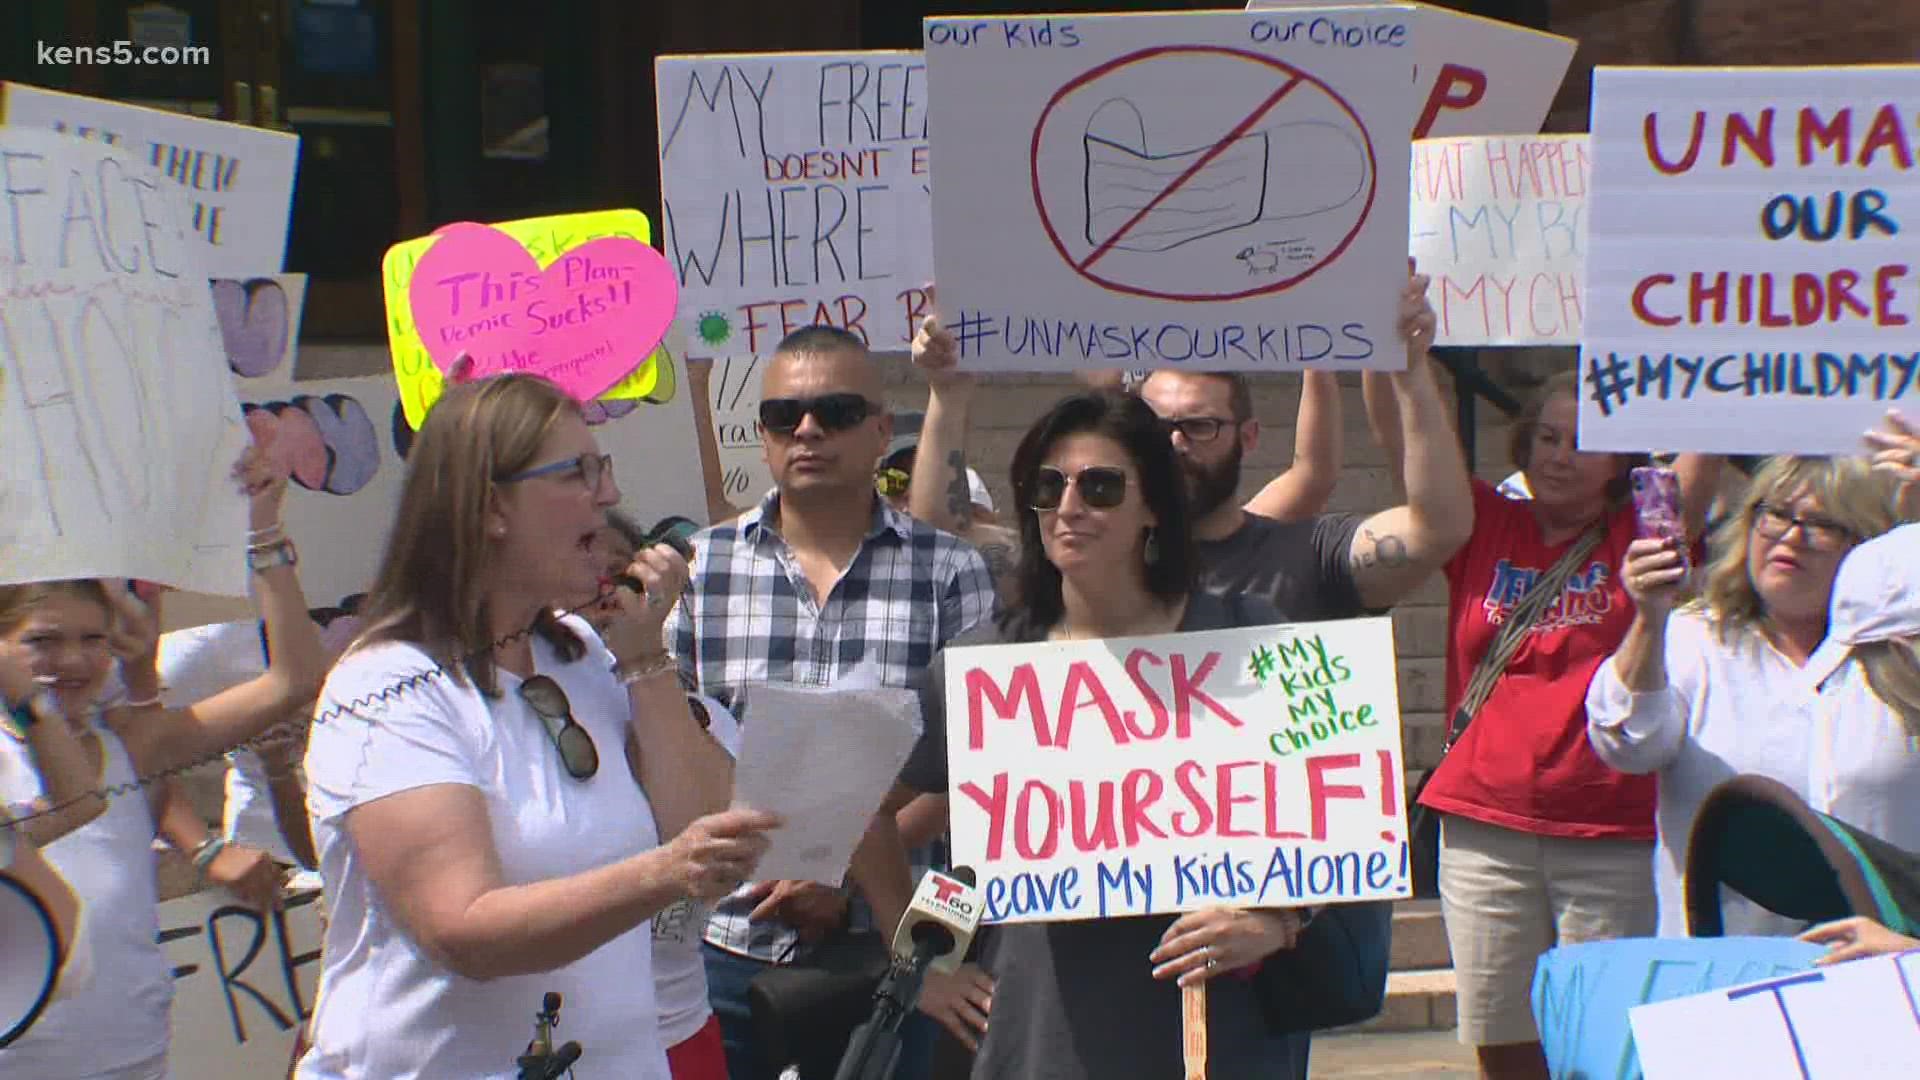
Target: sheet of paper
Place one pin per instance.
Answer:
(823, 759)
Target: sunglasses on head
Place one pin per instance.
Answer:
(833, 412)
(892, 482)
(577, 752)
(1101, 487)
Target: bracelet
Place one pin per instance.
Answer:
(143, 703)
(645, 669)
(209, 849)
(263, 533)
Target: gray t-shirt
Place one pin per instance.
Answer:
(1078, 1001)
(1302, 567)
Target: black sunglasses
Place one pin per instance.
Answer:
(591, 468)
(549, 702)
(833, 412)
(1102, 487)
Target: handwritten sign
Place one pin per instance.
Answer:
(795, 192)
(1249, 767)
(1217, 191)
(118, 422)
(1472, 75)
(238, 179)
(734, 389)
(1855, 1021)
(1582, 993)
(1748, 287)
(545, 240)
(1500, 224)
(243, 982)
(584, 321)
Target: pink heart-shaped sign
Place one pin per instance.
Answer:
(586, 321)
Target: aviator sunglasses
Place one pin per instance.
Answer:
(1102, 487)
(833, 412)
(577, 752)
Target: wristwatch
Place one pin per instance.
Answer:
(281, 553)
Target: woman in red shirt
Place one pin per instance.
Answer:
(1541, 843)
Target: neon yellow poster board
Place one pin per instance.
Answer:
(546, 239)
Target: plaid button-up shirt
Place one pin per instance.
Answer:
(749, 616)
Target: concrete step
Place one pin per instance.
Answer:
(1419, 937)
(1416, 1001)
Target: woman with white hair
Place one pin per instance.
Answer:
(1720, 686)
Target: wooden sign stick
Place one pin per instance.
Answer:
(1193, 1029)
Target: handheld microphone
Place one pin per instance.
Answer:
(945, 913)
(540, 1056)
(933, 936)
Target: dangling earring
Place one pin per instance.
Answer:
(1150, 551)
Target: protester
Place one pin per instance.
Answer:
(475, 851)
(1722, 685)
(1107, 552)
(1308, 565)
(1540, 842)
(822, 582)
(62, 634)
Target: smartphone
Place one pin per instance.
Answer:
(1656, 505)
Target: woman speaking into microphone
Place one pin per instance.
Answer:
(501, 798)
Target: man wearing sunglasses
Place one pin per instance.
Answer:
(823, 579)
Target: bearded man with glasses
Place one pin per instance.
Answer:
(822, 580)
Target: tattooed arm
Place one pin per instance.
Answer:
(1398, 549)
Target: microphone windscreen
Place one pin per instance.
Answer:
(550, 1003)
(965, 875)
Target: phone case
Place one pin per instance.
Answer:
(1656, 503)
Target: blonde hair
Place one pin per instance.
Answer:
(1893, 673)
(432, 588)
(18, 601)
(1849, 493)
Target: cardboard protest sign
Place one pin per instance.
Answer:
(734, 397)
(1207, 190)
(1499, 222)
(1472, 75)
(119, 427)
(260, 324)
(1747, 282)
(243, 982)
(238, 179)
(794, 192)
(1582, 993)
(1855, 1021)
(1257, 767)
(538, 303)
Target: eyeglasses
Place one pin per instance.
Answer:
(549, 702)
(892, 482)
(1102, 487)
(591, 468)
(1198, 428)
(1773, 522)
(833, 412)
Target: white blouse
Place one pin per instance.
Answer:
(1740, 706)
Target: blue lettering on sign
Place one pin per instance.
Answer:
(1615, 380)
(1337, 31)
(1220, 879)
(1011, 33)
(1024, 894)
(1234, 345)
(1291, 875)
(1135, 886)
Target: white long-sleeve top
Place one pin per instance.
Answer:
(1742, 707)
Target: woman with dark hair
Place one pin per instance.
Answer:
(1541, 843)
(1107, 552)
(502, 798)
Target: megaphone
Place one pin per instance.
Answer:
(39, 925)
